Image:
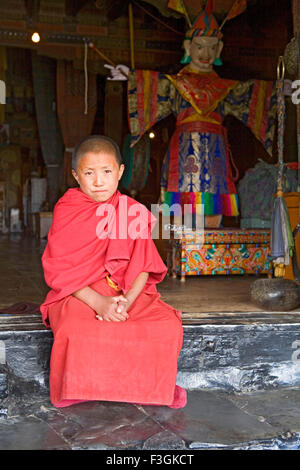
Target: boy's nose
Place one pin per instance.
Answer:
(98, 180)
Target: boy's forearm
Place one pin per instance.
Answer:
(91, 297)
(87, 295)
(137, 287)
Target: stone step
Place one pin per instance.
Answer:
(226, 352)
(3, 390)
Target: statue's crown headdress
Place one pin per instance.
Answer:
(205, 24)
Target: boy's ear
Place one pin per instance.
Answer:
(75, 175)
(121, 170)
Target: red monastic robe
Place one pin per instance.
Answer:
(132, 361)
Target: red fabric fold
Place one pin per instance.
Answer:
(89, 240)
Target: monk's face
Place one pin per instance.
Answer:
(203, 51)
(98, 175)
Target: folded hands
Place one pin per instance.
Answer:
(112, 308)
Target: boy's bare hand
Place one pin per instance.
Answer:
(112, 308)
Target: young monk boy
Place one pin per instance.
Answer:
(114, 338)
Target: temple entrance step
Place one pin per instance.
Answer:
(233, 353)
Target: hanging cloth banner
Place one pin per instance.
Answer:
(44, 74)
(3, 67)
(71, 106)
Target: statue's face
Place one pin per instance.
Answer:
(203, 51)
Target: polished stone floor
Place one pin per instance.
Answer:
(212, 419)
(21, 274)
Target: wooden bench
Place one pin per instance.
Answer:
(220, 251)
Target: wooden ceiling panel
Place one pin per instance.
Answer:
(73, 7)
(194, 7)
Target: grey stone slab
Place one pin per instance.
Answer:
(27, 359)
(239, 358)
(29, 434)
(110, 425)
(280, 408)
(65, 427)
(164, 440)
(281, 443)
(211, 418)
(211, 346)
(3, 382)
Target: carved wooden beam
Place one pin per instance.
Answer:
(72, 8)
(117, 8)
(32, 8)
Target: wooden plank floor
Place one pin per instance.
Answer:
(219, 299)
(210, 293)
(222, 299)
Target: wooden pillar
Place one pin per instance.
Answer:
(293, 204)
(113, 110)
(2, 205)
(296, 26)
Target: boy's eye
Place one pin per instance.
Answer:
(107, 171)
(88, 173)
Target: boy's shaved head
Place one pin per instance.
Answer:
(95, 144)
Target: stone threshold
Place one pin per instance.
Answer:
(243, 383)
(227, 353)
(28, 322)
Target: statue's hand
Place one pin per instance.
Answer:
(120, 72)
(161, 200)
